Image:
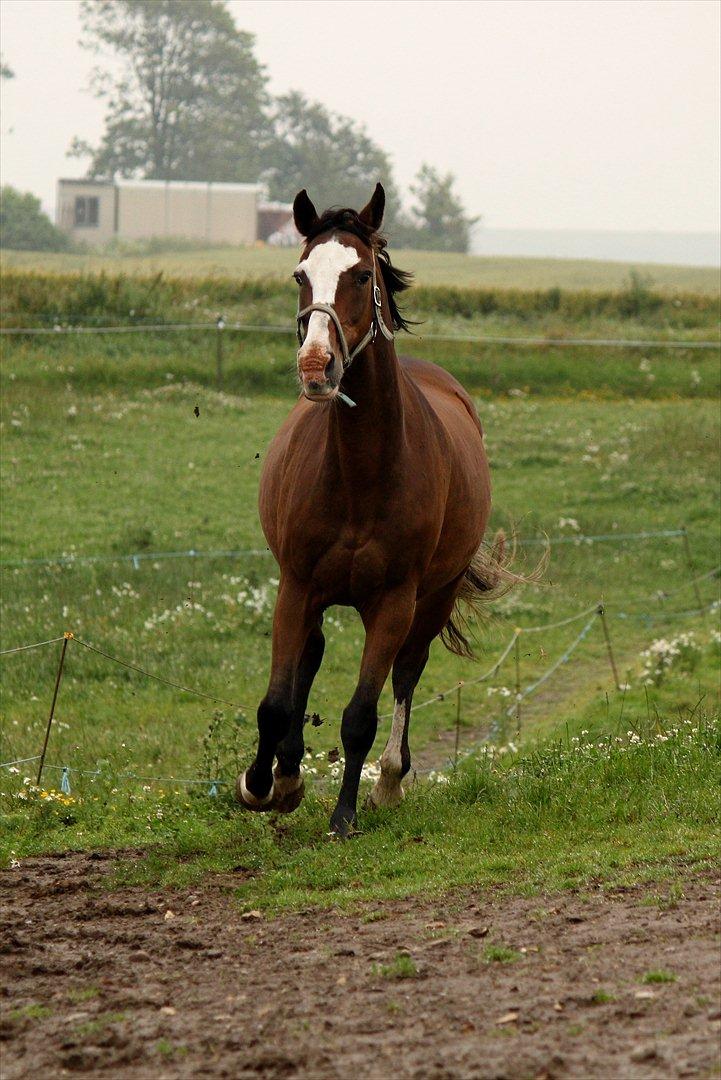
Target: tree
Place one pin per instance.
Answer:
(188, 100)
(438, 220)
(24, 226)
(6, 72)
(330, 155)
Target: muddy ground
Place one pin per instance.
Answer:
(131, 983)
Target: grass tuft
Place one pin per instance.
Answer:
(658, 976)
(500, 954)
(402, 967)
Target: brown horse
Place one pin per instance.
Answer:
(375, 494)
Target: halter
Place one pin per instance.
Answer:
(377, 323)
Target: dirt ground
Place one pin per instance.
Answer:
(130, 983)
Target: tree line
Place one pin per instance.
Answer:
(187, 99)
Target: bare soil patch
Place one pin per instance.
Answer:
(136, 983)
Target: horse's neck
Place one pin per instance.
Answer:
(363, 440)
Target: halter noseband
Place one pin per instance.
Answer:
(377, 323)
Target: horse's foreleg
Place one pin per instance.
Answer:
(432, 614)
(293, 621)
(387, 625)
(288, 782)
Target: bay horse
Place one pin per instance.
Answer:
(375, 494)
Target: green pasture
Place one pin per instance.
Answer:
(103, 455)
(431, 267)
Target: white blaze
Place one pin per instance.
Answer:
(323, 268)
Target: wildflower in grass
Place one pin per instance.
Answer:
(437, 777)
(569, 523)
(371, 771)
(682, 651)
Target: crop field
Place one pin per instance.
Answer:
(121, 445)
(432, 267)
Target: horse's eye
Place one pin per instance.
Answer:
(298, 278)
(364, 277)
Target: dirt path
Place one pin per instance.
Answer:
(179, 984)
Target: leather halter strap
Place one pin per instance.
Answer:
(377, 322)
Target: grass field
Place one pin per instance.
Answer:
(431, 268)
(104, 456)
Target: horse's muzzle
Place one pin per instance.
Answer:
(320, 374)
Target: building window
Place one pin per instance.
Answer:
(86, 210)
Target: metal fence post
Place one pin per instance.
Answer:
(66, 638)
(458, 723)
(517, 653)
(602, 615)
(689, 563)
(219, 328)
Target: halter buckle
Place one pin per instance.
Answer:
(377, 299)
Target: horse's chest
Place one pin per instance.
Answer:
(346, 566)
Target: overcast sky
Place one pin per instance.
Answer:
(581, 114)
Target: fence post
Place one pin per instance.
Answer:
(219, 328)
(459, 688)
(602, 615)
(689, 563)
(517, 653)
(66, 638)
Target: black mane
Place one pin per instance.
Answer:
(395, 280)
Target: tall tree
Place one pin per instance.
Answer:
(438, 219)
(186, 99)
(6, 72)
(330, 155)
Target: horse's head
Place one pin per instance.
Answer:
(340, 302)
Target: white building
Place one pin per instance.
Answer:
(94, 211)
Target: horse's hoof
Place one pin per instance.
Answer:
(249, 801)
(288, 792)
(342, 825)
(384, 797)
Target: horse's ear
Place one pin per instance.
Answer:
(304, 213)
(372, 214)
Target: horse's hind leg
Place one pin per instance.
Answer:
(396, 758)
(288, 786)
(387, 624)
(432, 614)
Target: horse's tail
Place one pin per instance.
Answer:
(488, 577)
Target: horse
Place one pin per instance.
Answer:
(375, 494)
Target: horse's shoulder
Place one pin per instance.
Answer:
(435, 382)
